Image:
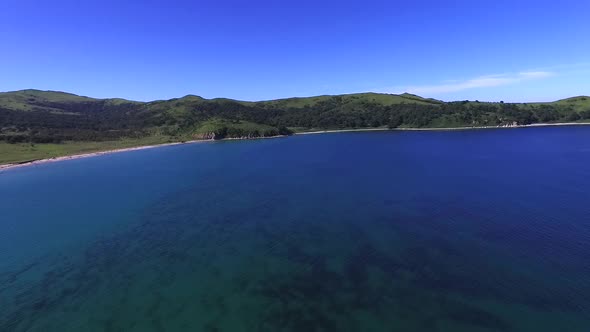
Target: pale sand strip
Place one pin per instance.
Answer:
(99, 153)
(92, 154)
(446, 129)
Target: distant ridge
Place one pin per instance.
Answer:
(52, 116)
(40, 124)
(385, 98)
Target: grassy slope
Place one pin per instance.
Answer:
(378, 98)
(181, 108)
(27, 100)
(580, 103)
(15, 153)
(215, 124)
(22, 100)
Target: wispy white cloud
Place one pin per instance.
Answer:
(473, 83)
(566, 66)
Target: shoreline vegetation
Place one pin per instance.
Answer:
(328, 131)
(27, 163)
(7, 166)
(36, 125)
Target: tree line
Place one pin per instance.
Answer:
(100, 120)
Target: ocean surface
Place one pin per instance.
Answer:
(478, 230)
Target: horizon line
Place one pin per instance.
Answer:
(299, 97)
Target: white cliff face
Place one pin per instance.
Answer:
(205, 136)
(212, 136)
(510, 124)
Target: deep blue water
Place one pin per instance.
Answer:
(485, 230)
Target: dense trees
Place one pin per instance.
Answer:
(94, 120)
(52, 127)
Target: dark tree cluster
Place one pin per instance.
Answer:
(95, 120)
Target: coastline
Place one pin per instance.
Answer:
(5, 167)
(444, 128)
(90, 154)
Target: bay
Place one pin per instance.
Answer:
(475, 230)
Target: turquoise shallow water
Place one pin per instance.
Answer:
(394, 231)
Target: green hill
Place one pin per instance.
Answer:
(579, 103)
(347, 100)
(51, 117)
(28, 100)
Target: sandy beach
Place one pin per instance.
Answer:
(91, 154)
(5, 167)
(100, 153)
(445, 129)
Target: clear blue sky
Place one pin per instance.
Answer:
(253, 50)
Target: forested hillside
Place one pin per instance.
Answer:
(52, 117)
